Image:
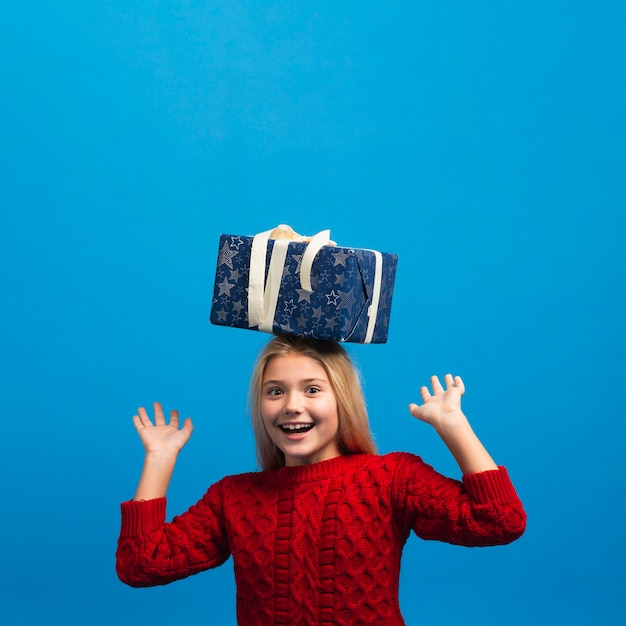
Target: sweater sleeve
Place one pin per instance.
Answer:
(481, 510)
(152, 552)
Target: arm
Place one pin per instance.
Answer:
(481, 510)
(151, 551)
(162, 443)
(442, 410)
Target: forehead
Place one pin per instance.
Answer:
(294, 367)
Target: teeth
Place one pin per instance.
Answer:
(296, 428)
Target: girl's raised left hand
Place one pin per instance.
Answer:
(442, 408)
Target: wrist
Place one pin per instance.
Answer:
(160, 458)
(453, 425)
(158, 467)
(465, 446)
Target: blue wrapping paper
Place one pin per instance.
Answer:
(337, 308)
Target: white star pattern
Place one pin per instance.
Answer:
(331, 322)
(340, 279)
(226, 255)
(303, 294)
(347, 300)
(236, 242)
(340, 258)
(225, 287)
(318, 313)
(332, 297)
(298, 259)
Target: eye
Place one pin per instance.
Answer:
(313, 390)
(273, 391)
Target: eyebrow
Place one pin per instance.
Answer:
(306, 381)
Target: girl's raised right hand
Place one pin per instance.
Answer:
(160, 437)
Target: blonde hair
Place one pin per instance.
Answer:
(353, 435)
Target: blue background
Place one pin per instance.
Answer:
(481, 142)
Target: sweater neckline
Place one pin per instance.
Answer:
(320, 470)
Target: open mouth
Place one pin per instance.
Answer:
(294, 429)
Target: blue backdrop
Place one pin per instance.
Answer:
(481, 142)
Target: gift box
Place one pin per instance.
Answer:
(303, 287)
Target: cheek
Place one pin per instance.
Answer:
(333, 409)
(332, 415)
(267, 414)
(267, 423)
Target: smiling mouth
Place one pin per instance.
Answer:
(294, 429)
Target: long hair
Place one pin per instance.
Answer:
(353, 435)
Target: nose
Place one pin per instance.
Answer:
(293, 403)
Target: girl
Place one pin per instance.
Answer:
(317, 535)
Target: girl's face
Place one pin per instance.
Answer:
(299, 409)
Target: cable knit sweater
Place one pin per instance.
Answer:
(321, 543)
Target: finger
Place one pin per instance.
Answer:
(458, 382)
(143, 417)
(174, 418)
(425, 393)
(437, 388)
(449, 381)
(159, 420)
(188, 426)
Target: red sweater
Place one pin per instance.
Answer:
(321, 543)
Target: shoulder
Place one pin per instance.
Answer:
(224, 489)
(394, 461)
(241, 481)
(390, 467)
(408, 473)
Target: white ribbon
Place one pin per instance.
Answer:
(263, 293)
(315, 245)
(256, 278)
(372, 312)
